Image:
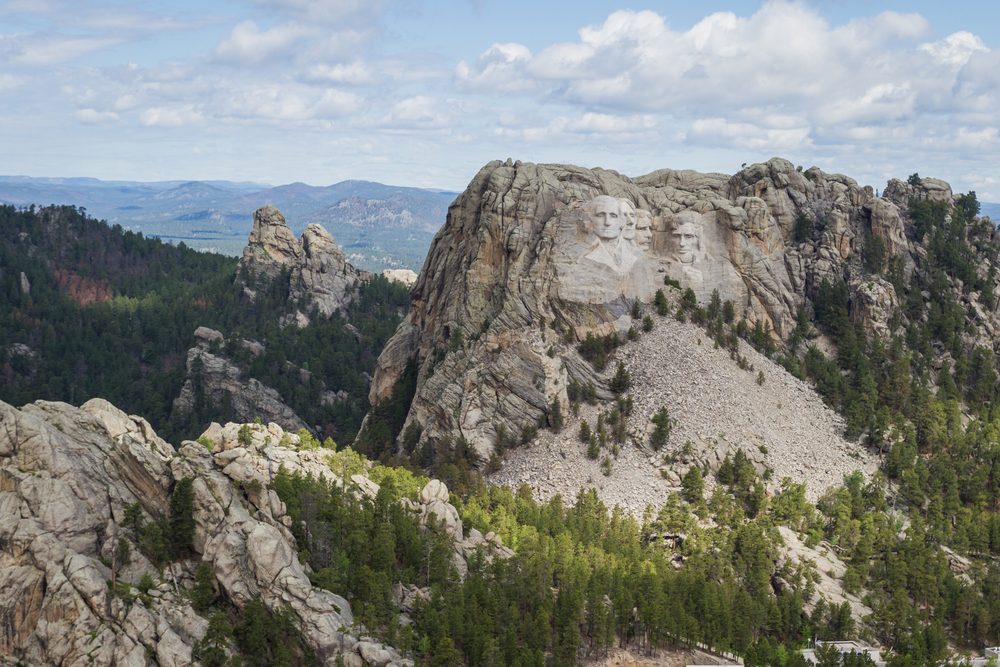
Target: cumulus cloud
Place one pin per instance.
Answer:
(721, 132)
(290, 103)
(355, 73)
(499, 69)
(785, 52)
(955, 49)
(42, 50)
(418, 112)
(726, 73)
(326, 11)
(247, 44)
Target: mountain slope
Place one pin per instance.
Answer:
(716, 408)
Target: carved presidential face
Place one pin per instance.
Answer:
(605, 217)
(644, 229)
(628, 219)
(687, 241)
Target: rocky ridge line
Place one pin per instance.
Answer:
(67, 476)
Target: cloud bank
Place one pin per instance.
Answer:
(327, 88)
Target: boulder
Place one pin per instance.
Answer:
(434, 490)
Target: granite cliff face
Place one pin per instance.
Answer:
(67, 477)
(318, 273)
(532, 258)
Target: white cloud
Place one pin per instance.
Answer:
(93, 116)
(785, 55)
(290, 102)
(955, 49)
(355, 73)
(587, 127)
(326, 11)
(249, 45)
(783, 78)
(975, 138)
(418, 112)
(177, 116)
(882, 101)
(9, 82)
(498, 69)
(721, 132)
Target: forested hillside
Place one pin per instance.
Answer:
(735, 559)
(885, 304)
(88, 310)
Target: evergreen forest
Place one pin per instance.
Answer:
(88, 310)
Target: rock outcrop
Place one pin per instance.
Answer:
(533, 258)
(402, 276)
(272, 245)
(317, 271)
(213, 379)
(67, 477)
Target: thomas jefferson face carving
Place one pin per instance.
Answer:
(687, 241)
(628, 219)
(605, 217)
(644, 229)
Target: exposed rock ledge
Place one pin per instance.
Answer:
(67, 475)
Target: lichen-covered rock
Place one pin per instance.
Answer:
(272, 245)
(874, 303)
(324, 277)
(403, 276)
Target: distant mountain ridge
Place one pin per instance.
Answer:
(379, 226)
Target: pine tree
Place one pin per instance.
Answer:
(621, 380)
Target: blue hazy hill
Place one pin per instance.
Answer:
(379, 226)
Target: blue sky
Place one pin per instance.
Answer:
(424, 93)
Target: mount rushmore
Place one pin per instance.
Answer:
(533, 257)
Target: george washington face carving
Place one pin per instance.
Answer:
(605, 217)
